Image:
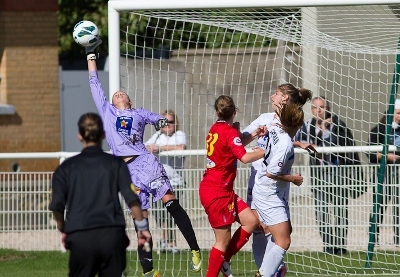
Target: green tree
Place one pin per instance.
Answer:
(71, 12)
(140, 33)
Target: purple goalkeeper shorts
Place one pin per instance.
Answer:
(149, 177)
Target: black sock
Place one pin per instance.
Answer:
(183, 222)
(146, 258)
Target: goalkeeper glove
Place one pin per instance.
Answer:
(91, 50)
(161, 123)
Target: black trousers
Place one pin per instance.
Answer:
(100, 250)
(331, 206)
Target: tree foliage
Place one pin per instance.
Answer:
(141, 32)
(72, 11)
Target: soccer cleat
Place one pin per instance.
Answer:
(153, 273)
(226, 269)
(195, 264)
(281, 271)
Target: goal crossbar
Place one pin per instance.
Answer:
(123, 5)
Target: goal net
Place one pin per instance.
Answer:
(184, 56)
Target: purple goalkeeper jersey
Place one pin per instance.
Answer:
(124, 128)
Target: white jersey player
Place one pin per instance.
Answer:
(272, 184)
(285, 93)
(270, 196)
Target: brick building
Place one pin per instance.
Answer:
(29, 81)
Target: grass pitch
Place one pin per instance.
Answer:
(55, 264)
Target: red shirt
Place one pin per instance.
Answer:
(224, 148)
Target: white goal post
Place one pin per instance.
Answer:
(347, 51)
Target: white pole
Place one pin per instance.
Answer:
(333, 149)
(120, 5)
(113, 50)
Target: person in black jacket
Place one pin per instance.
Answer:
(328, 178)
(86, 187)
(391, 191)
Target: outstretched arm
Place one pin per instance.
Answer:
(91, 55)
(98, 95)
(92, 66)
(95, 85)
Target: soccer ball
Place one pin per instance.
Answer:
(85, 33)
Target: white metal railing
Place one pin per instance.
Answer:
(26, 223)
(39, 155)
(191, 152)
(332, 149)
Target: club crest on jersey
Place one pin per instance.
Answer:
(237, 141)
(210, 163)
(280, 164)
(231, 207)
(123, 125)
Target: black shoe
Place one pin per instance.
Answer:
(340, 251)
(328, 250)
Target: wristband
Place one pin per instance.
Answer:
(91, 57)
(142, 225)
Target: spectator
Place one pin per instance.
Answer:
(391, 191)
(169, 138)
(328, 179)
(89, 185)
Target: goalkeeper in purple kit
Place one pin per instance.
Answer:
(124, 127)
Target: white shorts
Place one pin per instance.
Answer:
(272, 208)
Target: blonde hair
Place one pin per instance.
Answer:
(172, 113)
